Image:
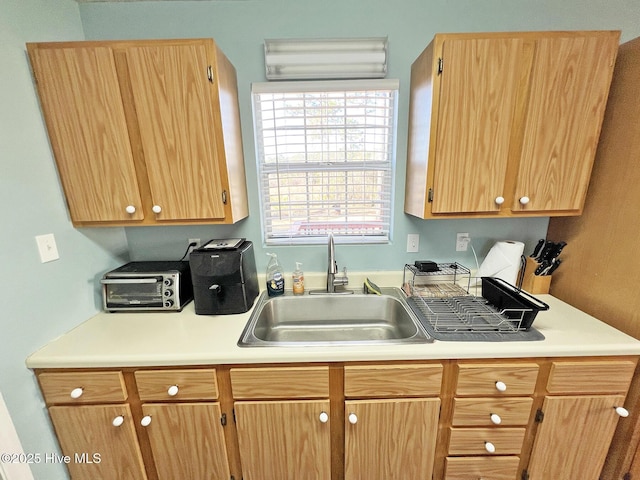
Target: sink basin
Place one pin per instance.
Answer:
(331, 319)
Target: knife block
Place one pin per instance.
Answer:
(535, 283)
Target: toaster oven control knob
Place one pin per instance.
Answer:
(168, 303)
(118, 421)
(77, 392)
(146, 421)
(168, 282)
(623, 412)
(173, 390)
(168, 293)
(501, 386)
(130, 209)
(156, 209)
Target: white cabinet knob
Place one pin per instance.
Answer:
(146, 421)
(353, 418)
(77, 392)
(501, 386)
(324, 417)
(173, 390)
(490, 447)
(623, 412)
(499, 200)
(495, 419)
(119, 420)
(524, 200)
(156, 209)
(130, 209)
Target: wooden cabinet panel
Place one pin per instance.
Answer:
(392, 380)
(192, 384)
(187, 441)
(87, 430)
(474, 468)
(591, 377)
(574, 437)
(280, 382)
(392, 439)
(481, 379)
(95, 387)
(82, 106)
(175, 114)
(284, 439)
(473, 441)
(478, 89)
(570, 80)
(478, 411)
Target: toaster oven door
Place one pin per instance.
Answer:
(133, 293)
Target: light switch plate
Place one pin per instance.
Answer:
(47, 247)
(413, 243)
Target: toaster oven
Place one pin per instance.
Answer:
(147, 286)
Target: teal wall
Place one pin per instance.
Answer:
(42, 301)
(240, 27)
(39, 301)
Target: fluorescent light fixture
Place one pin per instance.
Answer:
(296, 59)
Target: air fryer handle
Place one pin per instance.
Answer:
(217, 289)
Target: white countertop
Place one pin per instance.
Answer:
(184, 338)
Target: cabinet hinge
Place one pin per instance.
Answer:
(210, 73)
(525, 475)
(223, 419)
(539, 416)
(224, 197)
(430, 195)
(440, 65)
(233, 411)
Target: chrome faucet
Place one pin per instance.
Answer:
(332, 279)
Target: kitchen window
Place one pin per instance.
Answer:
(326, 153)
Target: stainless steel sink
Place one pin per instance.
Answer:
(329, 319)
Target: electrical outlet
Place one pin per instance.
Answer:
(462, 242)
(413, 242)
(197, 244)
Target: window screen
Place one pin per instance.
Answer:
(325, 159)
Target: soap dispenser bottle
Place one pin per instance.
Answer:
(275, 276)
(298, 280)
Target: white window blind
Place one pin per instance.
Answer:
(325, 159)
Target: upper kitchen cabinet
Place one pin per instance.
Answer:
(506, 124)
(143, 132)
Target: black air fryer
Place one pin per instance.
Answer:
(224, 277)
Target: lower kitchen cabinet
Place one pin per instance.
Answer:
(100, 441)
(390, 439)
(284, 439)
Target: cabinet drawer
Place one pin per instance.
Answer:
(483, 379)
(280, 382)
(82, 387)
(177, 384)
(473, 468)
(392, 380)
(590, 377)
(478, 411)
(473, 441)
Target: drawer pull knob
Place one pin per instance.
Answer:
(499, 200)
(495, 419)
(156, 209)
(623, 412)
(118, 421)
(130, 209)
(172, 391)
(324, 417)
(77, 392)
(353, 418)
(524, 200)
(501, 386)
(490, 447)
(146, 421)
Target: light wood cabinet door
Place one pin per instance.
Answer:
(97, 449)
(477, 98)
(82, 105)
(187, 441)
(390, 439)
(284, 439)
(174, 107)
(568, 93)
(557, 453)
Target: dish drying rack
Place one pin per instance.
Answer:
(448, 310)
